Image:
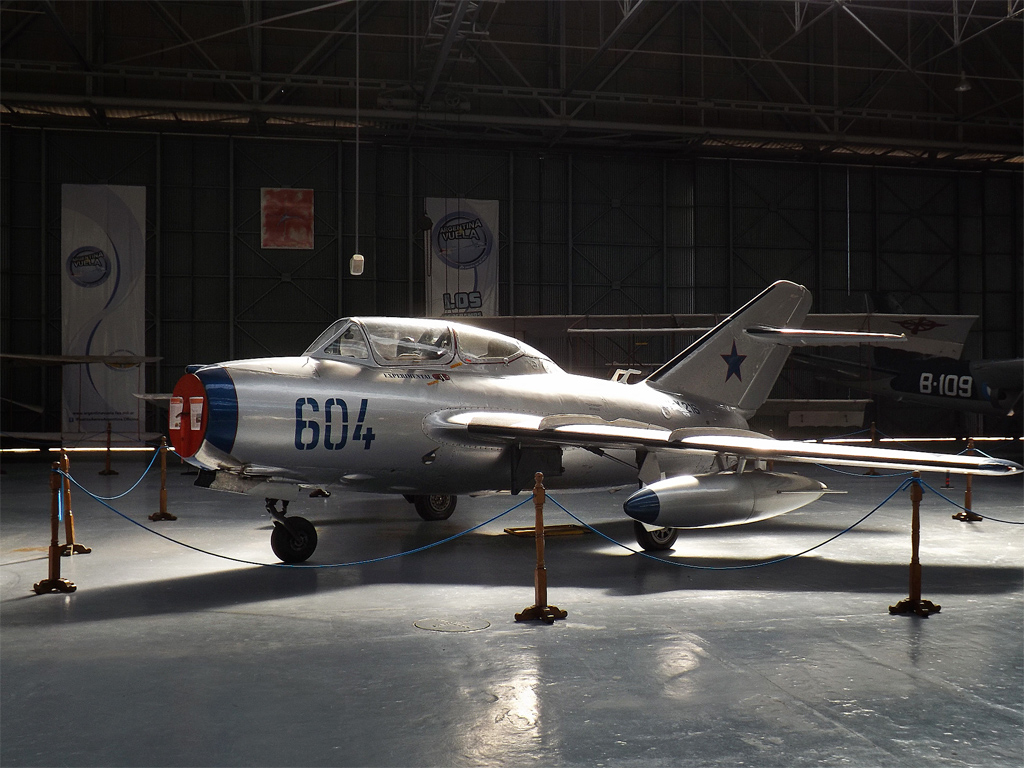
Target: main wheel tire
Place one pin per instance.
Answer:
(294, 547)
(657, 540)
(436, 506)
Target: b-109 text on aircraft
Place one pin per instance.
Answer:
(431, 409)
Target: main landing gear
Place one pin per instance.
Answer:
(436, 506)
(294, 538)
(657, 540)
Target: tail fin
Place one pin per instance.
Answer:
(731, 366)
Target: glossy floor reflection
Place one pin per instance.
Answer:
(167, 656)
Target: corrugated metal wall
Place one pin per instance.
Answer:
(580, 233)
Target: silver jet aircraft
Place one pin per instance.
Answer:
(431, 409)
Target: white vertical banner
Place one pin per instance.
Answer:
(103, 304)
(462, 263)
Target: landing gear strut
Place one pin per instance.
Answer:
(294, 538)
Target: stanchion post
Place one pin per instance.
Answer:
(914, 603)
(53, 582)
(540, 609)
(70, 546)
(874, 444)
(107, 470)
(966, 514)
(163, 514)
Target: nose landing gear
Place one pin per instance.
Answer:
(294, 538)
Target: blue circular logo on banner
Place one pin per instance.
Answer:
(462, 240)
(88, 266)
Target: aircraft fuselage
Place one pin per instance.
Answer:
(338, 423)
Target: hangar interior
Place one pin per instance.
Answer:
(650, 159)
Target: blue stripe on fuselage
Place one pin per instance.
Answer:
(222, 407)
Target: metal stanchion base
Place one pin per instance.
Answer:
(53, 585)
(108, 472)
(923, 608)
(157, 516)
(968, 517)
(546, 613)
(67, 550)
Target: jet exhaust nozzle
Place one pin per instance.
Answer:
(720, 499)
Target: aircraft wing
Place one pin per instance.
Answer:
(1006, 374)
(126, 360)
(593, 432)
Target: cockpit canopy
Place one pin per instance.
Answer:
(410, 342)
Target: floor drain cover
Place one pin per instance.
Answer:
(453, 625)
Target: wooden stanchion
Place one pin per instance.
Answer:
(163, 514)
(54, 582)
(967, 515)
(540, 609)
(914, 603)
(874, 444)
(107, 470)
(70, 547)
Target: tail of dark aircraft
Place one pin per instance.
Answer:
(738, 361)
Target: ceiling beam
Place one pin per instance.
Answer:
(631, 13)
(451, 32)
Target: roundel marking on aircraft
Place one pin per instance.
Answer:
(187, 425)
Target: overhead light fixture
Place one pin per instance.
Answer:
(964, 85)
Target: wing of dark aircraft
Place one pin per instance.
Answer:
(592, 432)
(1005, 374)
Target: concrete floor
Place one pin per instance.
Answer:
(167, 656)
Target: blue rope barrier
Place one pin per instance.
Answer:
(60, 499)
(145, 472)
(848, 434)
(965, 509)
(649, 556)
(896, 440)
(862, 474)
(291, 565)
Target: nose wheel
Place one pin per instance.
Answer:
(293, 538)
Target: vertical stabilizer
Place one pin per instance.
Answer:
(730, 366)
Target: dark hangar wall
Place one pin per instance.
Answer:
(581, 233)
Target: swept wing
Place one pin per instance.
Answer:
(593, 432)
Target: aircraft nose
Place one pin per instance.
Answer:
(204, 406)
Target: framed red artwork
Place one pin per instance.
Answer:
(287, 218)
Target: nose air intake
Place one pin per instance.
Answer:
(204, 406)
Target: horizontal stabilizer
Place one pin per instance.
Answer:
(804, 337)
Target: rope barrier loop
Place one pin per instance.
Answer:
(965, 509)
(103, 501)
(905, 484)
(242, 561)
(142, 477)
